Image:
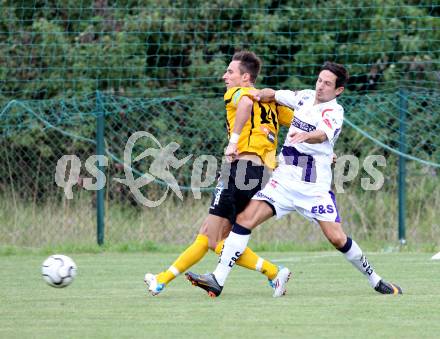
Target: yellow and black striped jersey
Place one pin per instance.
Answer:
(260, 133)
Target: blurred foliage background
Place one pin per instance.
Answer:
(156, 66)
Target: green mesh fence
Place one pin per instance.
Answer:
(156, 67)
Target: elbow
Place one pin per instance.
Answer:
(248, 104)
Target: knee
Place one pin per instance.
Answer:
(204, 228)
(212, 241)
(338, 239)
(215, 229)
(246, 219)
(334, 233)
(212, 244)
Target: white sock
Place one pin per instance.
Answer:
(353, 254)
(233, 247)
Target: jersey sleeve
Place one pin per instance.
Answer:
(287, 98)
(285, 115)
(234, 94)
(331, 122)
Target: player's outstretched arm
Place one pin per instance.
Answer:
(263, 95)
(315, 137)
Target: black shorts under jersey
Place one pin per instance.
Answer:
(237, 184)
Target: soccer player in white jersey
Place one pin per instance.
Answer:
(302, 180)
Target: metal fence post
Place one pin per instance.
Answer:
(100, 120)
(403, 107)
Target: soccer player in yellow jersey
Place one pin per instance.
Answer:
(253, 135)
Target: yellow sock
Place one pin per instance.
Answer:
(189, 257)
(252, 261)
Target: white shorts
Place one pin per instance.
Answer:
(283, 194)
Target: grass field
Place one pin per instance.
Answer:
(327, 297)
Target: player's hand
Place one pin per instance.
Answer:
(231, 152)
(256, 94)
(297, 137)
(334, 158)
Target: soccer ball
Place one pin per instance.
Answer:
(58, 270)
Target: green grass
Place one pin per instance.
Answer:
(327, 297)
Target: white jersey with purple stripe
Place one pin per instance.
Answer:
(303, 178)
(311, 162)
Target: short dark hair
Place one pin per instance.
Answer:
(249, 63)
(338, 70)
